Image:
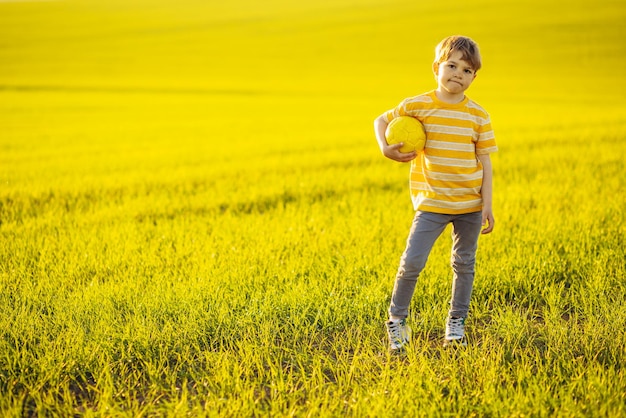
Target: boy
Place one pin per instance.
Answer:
(450, 182)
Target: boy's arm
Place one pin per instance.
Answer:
(390, 151)
(487, 193)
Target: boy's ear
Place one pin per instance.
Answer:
(436, 68)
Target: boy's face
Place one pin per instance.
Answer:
(455, 75)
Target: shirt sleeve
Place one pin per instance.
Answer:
(486, 143)
(397, 111)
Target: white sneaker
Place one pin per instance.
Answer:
(399, 334)
(455, 332)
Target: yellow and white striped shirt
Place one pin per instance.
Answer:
(447, 176)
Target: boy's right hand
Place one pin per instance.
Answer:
(393, 152)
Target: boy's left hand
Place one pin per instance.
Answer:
(488, 221)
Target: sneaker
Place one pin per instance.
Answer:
(399, 334)
(455, 332)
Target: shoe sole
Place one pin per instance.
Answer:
(455, 343)
(398, 351)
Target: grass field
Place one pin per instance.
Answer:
(195, 218)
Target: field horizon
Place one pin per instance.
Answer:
(195, 218)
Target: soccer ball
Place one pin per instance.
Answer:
(407, 130)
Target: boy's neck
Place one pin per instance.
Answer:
(449, 98)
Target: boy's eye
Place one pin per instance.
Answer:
(468, 71)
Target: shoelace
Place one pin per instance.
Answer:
(455, 325)
(395, 329)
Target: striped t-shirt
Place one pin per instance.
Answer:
(447, 176)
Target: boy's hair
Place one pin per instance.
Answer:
(465, 45)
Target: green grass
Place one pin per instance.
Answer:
(195, 218)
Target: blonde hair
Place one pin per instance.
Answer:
(465, 45)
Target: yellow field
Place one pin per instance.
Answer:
(195, 218)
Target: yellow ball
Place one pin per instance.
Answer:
(407, 130)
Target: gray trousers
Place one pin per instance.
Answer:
(426, 228)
